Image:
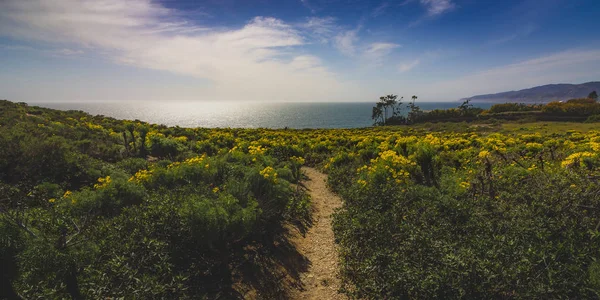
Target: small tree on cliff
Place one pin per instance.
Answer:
(380, 111)
(377, 114)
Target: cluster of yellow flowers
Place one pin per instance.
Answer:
(595, 141)
(114, 134)
(575, 158)
(195, 160)
(269, 174)
(496, 143)
(93, 126)
(102, 182)
(256, 150)
(68, 194)
(189, 161)
(392, 149)
(392, 159)
(297, 160)
(484, 154)
(456, 143)
(181, 139)
(152, 135)
(141, 176)
(389, 163)
(534, 147)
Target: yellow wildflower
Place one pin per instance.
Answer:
(102, 182)
(484, 154)
(269, 173)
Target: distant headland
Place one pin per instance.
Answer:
(541, 94)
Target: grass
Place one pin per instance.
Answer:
(550, 127)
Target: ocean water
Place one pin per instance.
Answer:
(241, 114)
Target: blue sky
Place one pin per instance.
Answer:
(294, 50)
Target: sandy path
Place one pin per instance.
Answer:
(321, 280)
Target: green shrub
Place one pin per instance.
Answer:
(132, 165)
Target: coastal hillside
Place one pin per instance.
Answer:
(93, 207)
(544, 93)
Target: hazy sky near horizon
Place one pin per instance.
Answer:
(291, 50)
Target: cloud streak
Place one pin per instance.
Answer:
(322, 29)
(256, 61)
(407, 66)
(377, 52)
(571, 65)
(437, 7)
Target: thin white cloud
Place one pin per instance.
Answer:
(345, 42)
(308, 5)
(322, 29)
(434, 9)
(256, 61)
(407, 66)
(562, 67)
(522, 32)
(437, 7)
(385, 48)
(377, 52)
(380, 10)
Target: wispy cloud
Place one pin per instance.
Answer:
(322, 29)
(256, 61)
(561, 67)
(308, 5)
(380, 10)
(437, 7)
(434, 9)
(345, 42)
(377, 52)
(407, 66)
(523, 31)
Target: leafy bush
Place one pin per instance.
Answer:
(430, 211)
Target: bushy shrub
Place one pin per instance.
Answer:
(507, 107)
(132, 165)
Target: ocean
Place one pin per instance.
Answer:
(242, 114)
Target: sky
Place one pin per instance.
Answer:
(291, 50)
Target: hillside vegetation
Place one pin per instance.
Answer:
(573, 110)
(93, 207)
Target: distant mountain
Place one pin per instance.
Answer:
(544, 93)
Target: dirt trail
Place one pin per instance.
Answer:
(320, 281)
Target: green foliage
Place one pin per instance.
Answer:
(496, 216)
(593, 119)
(86, 213)
(93, 207)
(132, 165)
(574, 107)
(508, 107)
(571, 110)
